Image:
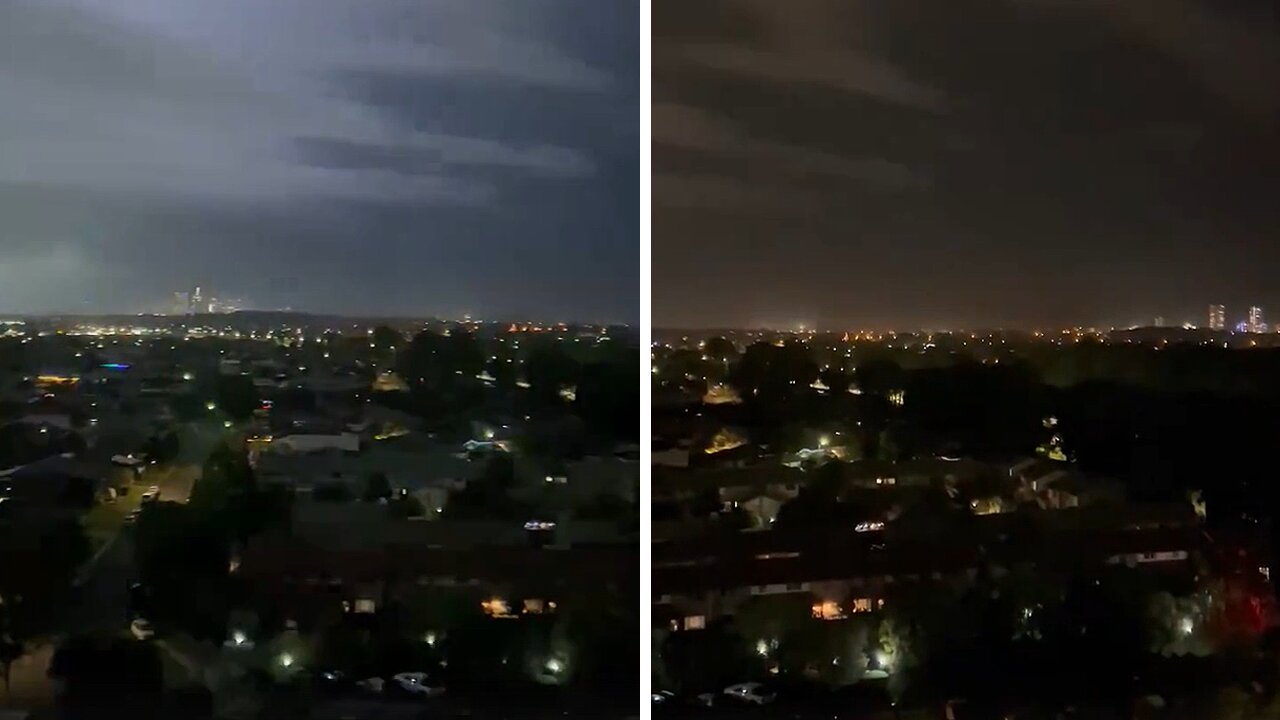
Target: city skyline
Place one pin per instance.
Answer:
(342, 157)
(1217, 318)
(894, 176)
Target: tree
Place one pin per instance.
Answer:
(488, 494)
(332, 491)
(768, 374)
(708, 659)
(108, 678)
(183, 557)
(236, 396)
(836, 379)
(879, 377)
(162, 448)
(407, 506)
(720, 350)
(608, 397)
(10, 651)
(377, 487)
(547, 369)
(386, 340)
(441, 362)
(38, 564)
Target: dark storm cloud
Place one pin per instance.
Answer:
(981, 162)
(376, 156)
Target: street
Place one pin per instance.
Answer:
(101, 603)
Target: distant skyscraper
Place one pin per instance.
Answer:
(1255, 320)
(1159, 321)
(1217, 317)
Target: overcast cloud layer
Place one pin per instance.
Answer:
(960, 163)
(355, 156)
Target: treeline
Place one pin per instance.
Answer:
(596, 381)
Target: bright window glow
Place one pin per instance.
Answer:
(828, 610)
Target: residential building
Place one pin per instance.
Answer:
(1217, 317)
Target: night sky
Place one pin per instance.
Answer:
(351, 156)
(931, 164)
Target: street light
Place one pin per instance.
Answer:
(554, 666)
(211, 406)
(286, 660)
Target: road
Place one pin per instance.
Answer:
(102, 603)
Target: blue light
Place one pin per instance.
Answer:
(115, 366)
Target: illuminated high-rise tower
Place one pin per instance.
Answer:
(1255, 320)
(1217, 317)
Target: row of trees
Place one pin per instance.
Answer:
(37, 562)
(184, 550)
(588, 641)
(1020, 636)
(442, 372)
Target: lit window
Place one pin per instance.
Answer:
(365, 606)
(695, 622)
(829, 610)
(496, 607)
(862, 605)
(533, 606)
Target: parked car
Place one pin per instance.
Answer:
(373, 684)
(142, 629)
(418, 683)
(751, 692)
(334, 681)
(151, 495)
